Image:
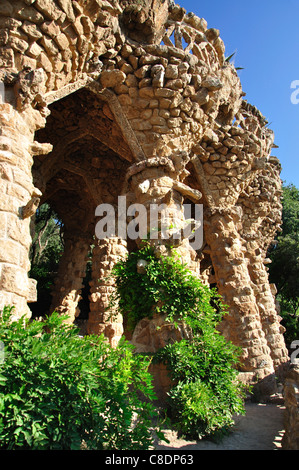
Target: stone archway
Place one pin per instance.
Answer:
(86, 167)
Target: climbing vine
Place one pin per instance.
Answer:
(206, 391)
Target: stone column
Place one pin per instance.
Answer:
(69, 280)
(18, 202)
(266, 304)
(290, 439)
(103, 320)
(155, 182)
(243, 325)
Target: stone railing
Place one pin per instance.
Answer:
(191, 35)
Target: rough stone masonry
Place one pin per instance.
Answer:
(104, 98)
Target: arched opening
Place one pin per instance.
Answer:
(45, 253)
(86, 167)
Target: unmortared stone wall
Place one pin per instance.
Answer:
(106, 98)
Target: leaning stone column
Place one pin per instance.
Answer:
(103, 320)
(266, 304)
(243, 325)
(69, 280)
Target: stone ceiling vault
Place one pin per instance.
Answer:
(88, 161)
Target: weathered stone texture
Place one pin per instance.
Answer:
(17, 191)
(102, 319)
(107, 98)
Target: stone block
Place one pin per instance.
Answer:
(31, 30)
(202, 96)
(165, 103)
(143, 71)
(164, 93)
(6, 57)
(212, 83)
(15, 280)
(18, 191)
(139, 125)
(6, 8)
(172, 71)
(112, 78)
(32, 292)
(28, 13)
(146, 92)
(34, 50)
(23, 61)
(9, 252)
(44, 62)
(62, 41)
(50, 10)
(67, 7)
(50, 46)
(9, 204)
(18, 230)
(6, 172)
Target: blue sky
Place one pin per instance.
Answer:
(264, 34)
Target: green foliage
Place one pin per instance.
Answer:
(290, 213)
(46, 250)
(206, 392)
(167, 287)
(59, 390)
(284, 269)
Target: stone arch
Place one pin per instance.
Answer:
(86, 167)
(63, 38)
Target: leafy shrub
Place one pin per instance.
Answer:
(206, 392)
(284, 269)
(167, 287)
(59, 390)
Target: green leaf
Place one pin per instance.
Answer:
(58, 390)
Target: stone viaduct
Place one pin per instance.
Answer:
(102, 98)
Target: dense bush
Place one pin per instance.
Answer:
(206, 392)
(62, 391)
(284, 269)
